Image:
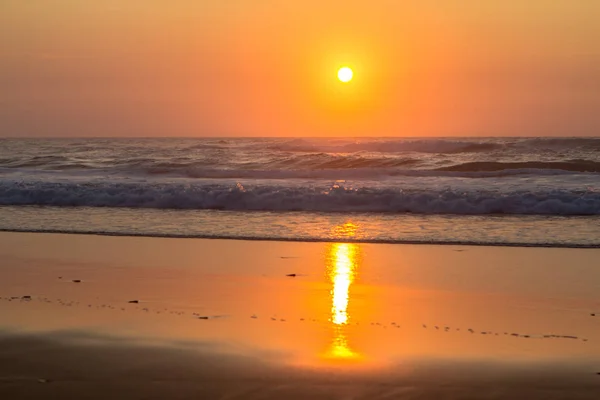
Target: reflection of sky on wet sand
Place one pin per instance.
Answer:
(350, 304)
(342, 262)
(342, 265)
(341, 269)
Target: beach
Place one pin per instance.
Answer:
(300, 200)
(133, 317)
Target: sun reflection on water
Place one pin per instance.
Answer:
(343, 260)
(339, 347)
(341, 273)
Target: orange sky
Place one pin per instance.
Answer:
(268, 68)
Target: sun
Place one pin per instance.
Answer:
(345, 74)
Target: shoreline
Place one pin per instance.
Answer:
(305, 240)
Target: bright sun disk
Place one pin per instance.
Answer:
(345, 74)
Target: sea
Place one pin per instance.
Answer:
(454, 191)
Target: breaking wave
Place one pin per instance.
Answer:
(299, 198)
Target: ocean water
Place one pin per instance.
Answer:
(493, 191)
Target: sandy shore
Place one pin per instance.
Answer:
(216, 319)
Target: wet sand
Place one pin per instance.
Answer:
(179, 318)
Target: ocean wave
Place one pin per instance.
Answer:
(333, 170)
(304, 158)
(361, 169)
(336, 198)
(33, 162)
(390, 146)
(327, 166)
(352, 166)
(591, 143)
(441, 146)
(297, 163)
(487, 166)
(324, 161)
(191, 166)
(221, 144)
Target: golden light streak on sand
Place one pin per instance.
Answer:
(343, 261)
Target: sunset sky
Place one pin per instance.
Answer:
(269, 68)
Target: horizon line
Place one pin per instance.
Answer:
(303, 137)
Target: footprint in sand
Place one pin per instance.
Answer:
(65, 303)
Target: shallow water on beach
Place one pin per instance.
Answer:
(530, 230)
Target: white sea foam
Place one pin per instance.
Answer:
(467, 176)
(335, 198)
